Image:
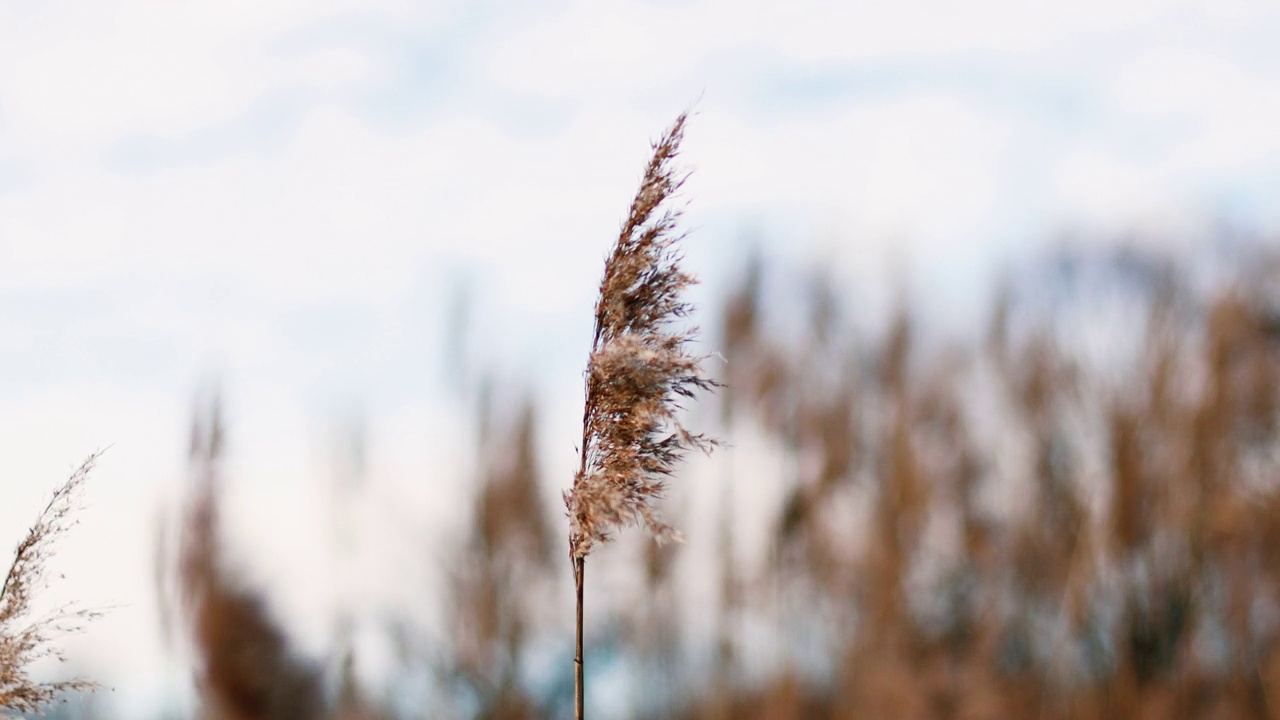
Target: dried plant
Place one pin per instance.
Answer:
(24, 639)
(638, 372)
(246, 668)
(507, 556)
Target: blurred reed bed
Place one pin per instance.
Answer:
(1075, 517)
(1073, 513)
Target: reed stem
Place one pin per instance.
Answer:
(579, 568)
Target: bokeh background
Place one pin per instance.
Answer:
(993, 286)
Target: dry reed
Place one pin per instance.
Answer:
(246, 668)
(638, 372)
(25, 639)
(508, 555)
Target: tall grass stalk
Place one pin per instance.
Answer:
(638, 373)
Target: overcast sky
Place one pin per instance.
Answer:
(288, 197)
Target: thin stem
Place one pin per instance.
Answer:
(579, 568)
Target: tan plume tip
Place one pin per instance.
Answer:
(639, 368)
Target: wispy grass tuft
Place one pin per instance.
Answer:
(25, 639)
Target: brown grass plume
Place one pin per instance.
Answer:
(639, 368)
(638, 372)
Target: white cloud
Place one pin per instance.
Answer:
(1224, 113)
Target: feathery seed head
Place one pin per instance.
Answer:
(639, 368)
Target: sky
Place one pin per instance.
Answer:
(289, 200)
